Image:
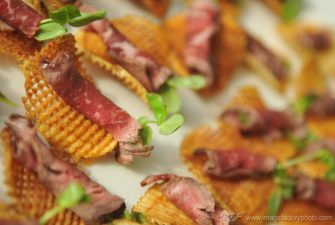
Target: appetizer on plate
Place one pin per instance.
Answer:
(71, 113)
(308, 38)
(232, 44)
(248, 114)
(35, 175)
(134, 50)
(238, 44)
(139, 61)
(257, 177)
(179, 200)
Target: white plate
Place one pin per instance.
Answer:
(125, 180)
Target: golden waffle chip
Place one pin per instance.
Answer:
(91, 42)
(63, 127)
(314, 169)
(145, 35)
(92, 47)
(327, 62)
(230, 7)
(247, 96)
(247, 197)
(29, 196)
(8, 212)
(18, 45)
(159, 210)
(310, 79)
(156, 7)
(230, 48)
(175, 32)
(176, 65)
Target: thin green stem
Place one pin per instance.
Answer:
(50, 214)
(46, 20)
(301, 159)
(284, 182)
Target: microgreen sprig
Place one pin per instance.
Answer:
(329, 159)
(165, 106)
(301, 143)
(285, 184)
(284, 190)
(72, 195)
(5, 100)
(54, 26)
(166, 126)
(193, 82)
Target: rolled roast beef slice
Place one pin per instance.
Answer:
(318, 192)
(255, 122)
(192, 198)
(201, 25)
(61, 73)
(237, 163)
(142, 66)
(32, 153)
(18, 15)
